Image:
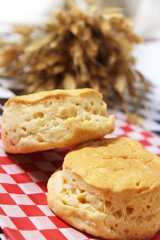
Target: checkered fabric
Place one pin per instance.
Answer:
(24, 213)
(148, 109)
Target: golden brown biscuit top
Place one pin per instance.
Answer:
(58, 93)
(115, 164)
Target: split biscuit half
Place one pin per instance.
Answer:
(54, 119)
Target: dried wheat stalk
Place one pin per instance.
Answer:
(76, 49)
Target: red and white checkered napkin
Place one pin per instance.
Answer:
(24, 213)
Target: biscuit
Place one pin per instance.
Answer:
(109, 188)
(54, 119)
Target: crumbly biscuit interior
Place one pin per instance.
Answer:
(53, 120)
(120, 215)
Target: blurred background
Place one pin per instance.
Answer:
(145, 13)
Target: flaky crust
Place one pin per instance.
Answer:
(54, 119)
(58, 93)
(115, 158)
(126, 208)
